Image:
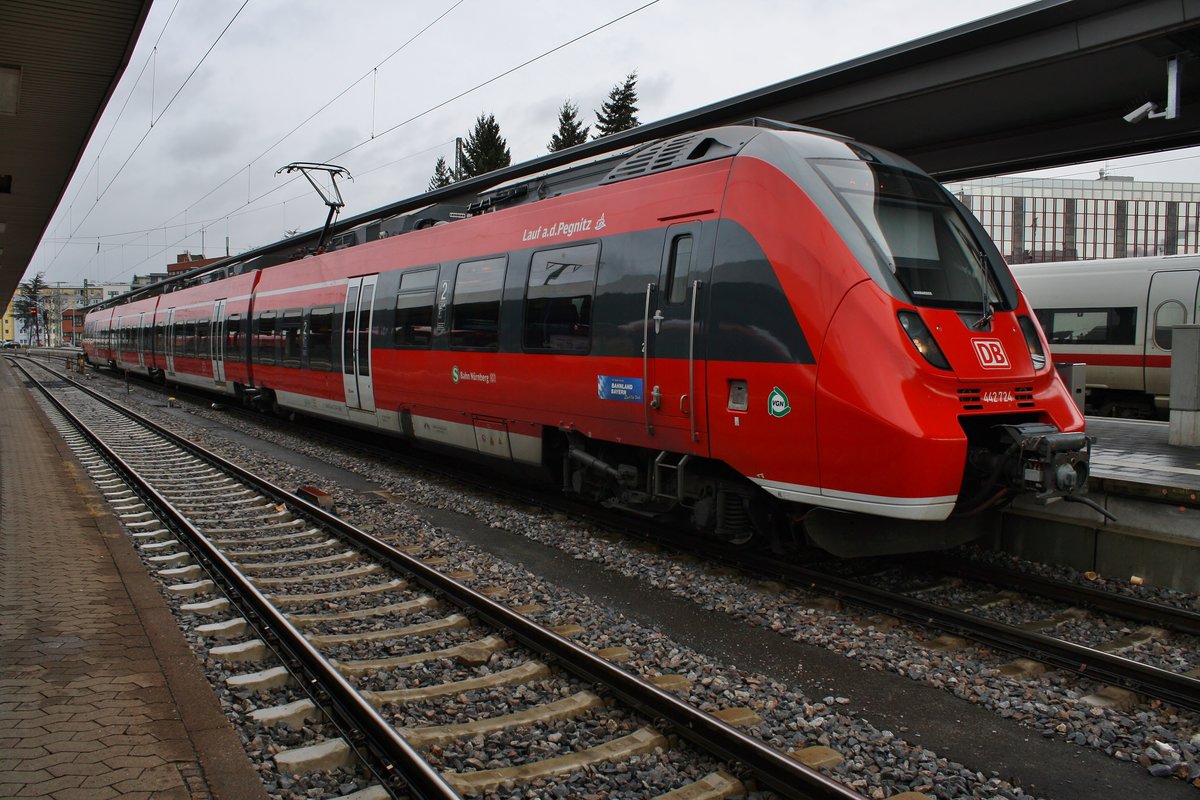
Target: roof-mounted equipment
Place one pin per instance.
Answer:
(332, 196)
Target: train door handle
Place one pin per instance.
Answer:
(656, 397)
(658, 320)
(683, 404)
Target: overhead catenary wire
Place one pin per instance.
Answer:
(399, 125)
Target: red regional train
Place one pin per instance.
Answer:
(737, 326)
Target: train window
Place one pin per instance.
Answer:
(558, 301)
(1089, 325)
(680, 267)
(234, 340)
(289, 337)
(160, 338)
(189, 338)
(414, 308)
(475, 321)
(1166, 316)
(264, 339)
(320, 338)
(203, 337)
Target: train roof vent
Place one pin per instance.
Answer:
(667, 154)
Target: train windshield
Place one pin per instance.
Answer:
(919, 233)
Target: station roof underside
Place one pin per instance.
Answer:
(1041, 85)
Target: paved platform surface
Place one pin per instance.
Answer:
(99, 694)
(1137, 451)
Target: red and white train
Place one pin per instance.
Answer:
(737, 325)
(1117, 316)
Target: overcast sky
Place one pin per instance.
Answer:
(205, 171)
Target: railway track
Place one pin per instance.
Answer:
(390, 673)
(1037, 635)
(1039, 639)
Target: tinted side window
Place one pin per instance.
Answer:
(1089, 325)
(289, 337)
(558, 301)
(475, 322)
(189, 338)
(414, 308)
(234, 340)
(264, 339)
(203, 333)
(320, 338)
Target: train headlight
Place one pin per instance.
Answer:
(1033, 341)
(922, 339)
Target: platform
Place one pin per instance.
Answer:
(1135, 455)
(100, 695)
(1153, 489)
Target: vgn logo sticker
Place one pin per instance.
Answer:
(990, 353)
(777, 403)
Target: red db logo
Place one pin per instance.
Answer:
(990, 353)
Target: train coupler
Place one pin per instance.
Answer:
(1048, 462)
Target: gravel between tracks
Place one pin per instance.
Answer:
(878, 763)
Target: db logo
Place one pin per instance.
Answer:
(990, 353)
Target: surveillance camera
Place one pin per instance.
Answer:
(1141, 112)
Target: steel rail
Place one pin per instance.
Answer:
(1172, 687)
(780, 772)
(356, 714)
(1181, 620)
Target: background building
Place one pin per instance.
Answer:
(1052, 219)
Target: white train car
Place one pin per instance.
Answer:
(1116, 316)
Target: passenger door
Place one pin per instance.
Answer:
(140, 342)
(218, 343)
(169, 348)
(356, 343)
(674, 366)
(1172, 301)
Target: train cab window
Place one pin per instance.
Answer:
(289, 337)
(680, 268)
(320, 338)
(264, 339)
(558, 301)
(475, 319)
(413, 326)
(1089, 325)
(918, 233)
(1166, 316)
(234, 338)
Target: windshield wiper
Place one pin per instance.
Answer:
(985, 319)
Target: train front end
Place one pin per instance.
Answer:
(935, 397)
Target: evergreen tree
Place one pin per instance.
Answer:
(441, 176)
(619, 112)
(570, 130)
(485, 149)
(26, 306)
